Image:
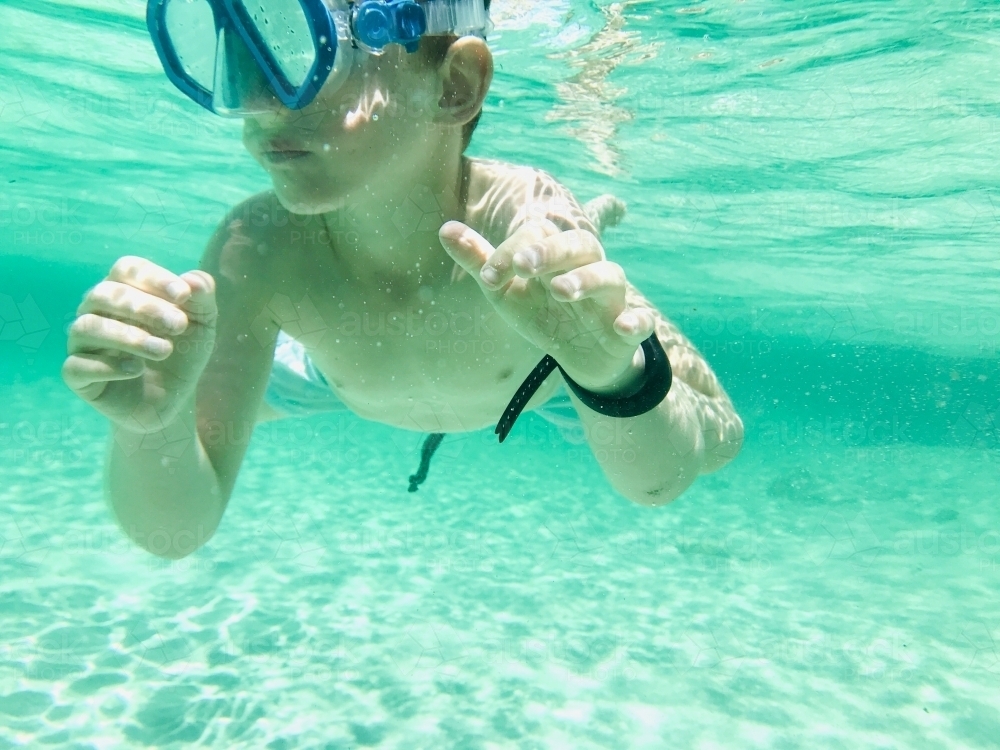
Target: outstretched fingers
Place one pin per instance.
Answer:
(492, 267)
(557, 253)
(603, 281)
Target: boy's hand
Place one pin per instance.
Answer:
(140, 343)
(558, 291)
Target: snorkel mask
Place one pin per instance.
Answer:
(234, 56)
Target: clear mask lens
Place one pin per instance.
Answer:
(191, 25)
(285, 29)
(240, 86)
(216, 56)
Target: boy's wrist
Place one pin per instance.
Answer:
(623, 384)
(639, 397)
(164, 431)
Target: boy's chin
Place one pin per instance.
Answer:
(306, 203)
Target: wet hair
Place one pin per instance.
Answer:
(437, 50)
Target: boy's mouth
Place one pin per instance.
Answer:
(278, 152)
(279, 157)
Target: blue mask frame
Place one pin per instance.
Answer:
(374, 24)
(233, 15)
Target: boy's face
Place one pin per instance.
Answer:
(378, 122)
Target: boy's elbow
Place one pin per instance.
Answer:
(171, 545)
(726, 449)
(661, 493)
(168, 539)
(708, 461)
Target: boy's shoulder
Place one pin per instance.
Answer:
(263, 215)
(503, 196)
(251, 236)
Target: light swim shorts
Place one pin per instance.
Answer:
(297, 388)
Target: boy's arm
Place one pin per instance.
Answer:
(651, 459)
(231, 390)
(169, 489)
(702, 432)
(686, 361)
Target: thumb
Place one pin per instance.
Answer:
(469, 249)
(200, 307)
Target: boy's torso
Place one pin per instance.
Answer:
(433, 357)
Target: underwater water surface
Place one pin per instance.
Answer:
(813, 196)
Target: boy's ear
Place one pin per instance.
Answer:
(466, 74)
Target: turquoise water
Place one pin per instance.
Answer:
(812, 196)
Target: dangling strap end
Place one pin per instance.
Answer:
(656, 382)
(523, 395)
(430, 445)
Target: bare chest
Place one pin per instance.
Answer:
(437, 359)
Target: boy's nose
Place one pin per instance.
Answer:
(241, 85)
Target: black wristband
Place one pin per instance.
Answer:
(655, 385)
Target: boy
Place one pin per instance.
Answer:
(356, 111)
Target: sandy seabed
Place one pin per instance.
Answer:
(802, 597)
